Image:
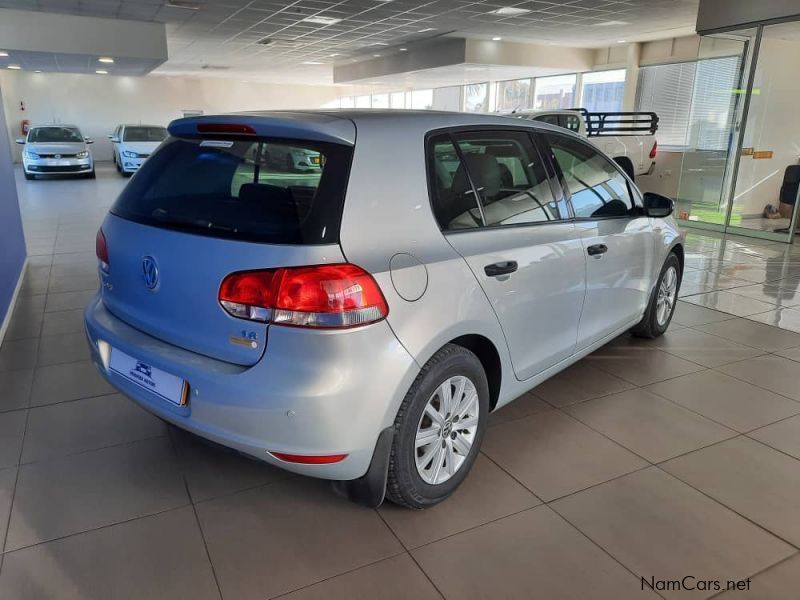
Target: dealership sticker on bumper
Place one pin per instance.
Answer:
(169, 387)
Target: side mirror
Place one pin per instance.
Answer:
(20, 141)
(114, 139)
(88, 140)
(657, 206)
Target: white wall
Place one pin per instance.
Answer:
(97, 104)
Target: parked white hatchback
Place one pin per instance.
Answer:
(359, 323)
(132, 144)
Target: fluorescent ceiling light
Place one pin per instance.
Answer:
(14, 67)
(427, 29)
(622, 41)
(320, 20)
(509, 11)
(403, 49)
(3, 53)
(496, 38)
(376, 55)
(610, 23)
(101, 72)
(334, 54)
(312, 62)
(107, 60)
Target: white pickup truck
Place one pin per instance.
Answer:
(627, 137)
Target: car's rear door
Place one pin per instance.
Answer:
(495, 203)
(617, 237)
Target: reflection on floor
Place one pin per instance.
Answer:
(749, 278)
(762, 224)
(648, 459)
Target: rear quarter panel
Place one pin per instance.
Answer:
(387, 211)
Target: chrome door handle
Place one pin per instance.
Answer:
(500, 268)
(597, 250)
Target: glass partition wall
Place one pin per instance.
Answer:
(740, 163)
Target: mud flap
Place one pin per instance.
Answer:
(370, 489)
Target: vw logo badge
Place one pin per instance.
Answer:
(150, 272)
(57, 156)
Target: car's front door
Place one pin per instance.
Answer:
(617, 238)
(517, 239)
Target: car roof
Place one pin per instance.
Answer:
(340, 125)
(140, 125)
(51, 125)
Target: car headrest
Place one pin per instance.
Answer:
(264, 192)
(485, 172)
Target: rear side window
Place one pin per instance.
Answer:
(270, 191)
(596, 186)
(505, 170)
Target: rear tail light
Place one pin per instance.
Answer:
(101, 249)
(324, 296)
(654, 151)
(308, 459)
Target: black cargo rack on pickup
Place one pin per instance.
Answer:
(619, 123)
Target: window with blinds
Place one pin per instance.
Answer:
(693, 100)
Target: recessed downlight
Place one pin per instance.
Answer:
(106, 60)
(320, 20)
(509, 11)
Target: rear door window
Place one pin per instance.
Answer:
(595, 184)
(271, 191)
(489, 178)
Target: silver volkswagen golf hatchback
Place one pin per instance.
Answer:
(358, 322)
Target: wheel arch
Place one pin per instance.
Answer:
(487, 353)
(626, 164)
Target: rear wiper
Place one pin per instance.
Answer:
(166, 218)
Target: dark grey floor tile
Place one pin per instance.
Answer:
(70, 427)
(18, 354)
(16, 389)
(397, 578)
(8, 478)
(750, 333)
(24, 324)
(703, 348)
(553, 454)
(691, 315)
(734, 403)
(64, 496)
(63, 321)
(161, 556)
(487, 494)
(649, 425)
(756, 481)
(57, 383)
(212, 470)
(534, 554)
(783, 436)
(63, 348)
(580, 382)
(524, 406)
(329, 535)
(776, 583)
(774, 373)
(68, 300)
(659, 527)
(12, 430)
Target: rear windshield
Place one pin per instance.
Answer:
(54, 135)
(270, 191)
(145, 134)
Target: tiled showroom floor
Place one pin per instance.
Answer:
(657, 459)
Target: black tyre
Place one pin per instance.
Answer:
(439, 429)
(659, 312)
(91, 175)
(29, 176)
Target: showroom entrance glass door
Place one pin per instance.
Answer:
(708, 139)
(764, 198)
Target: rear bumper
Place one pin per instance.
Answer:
(313, 392)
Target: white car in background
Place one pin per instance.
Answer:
(132, 144)
(627, 137)
(56, 150)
